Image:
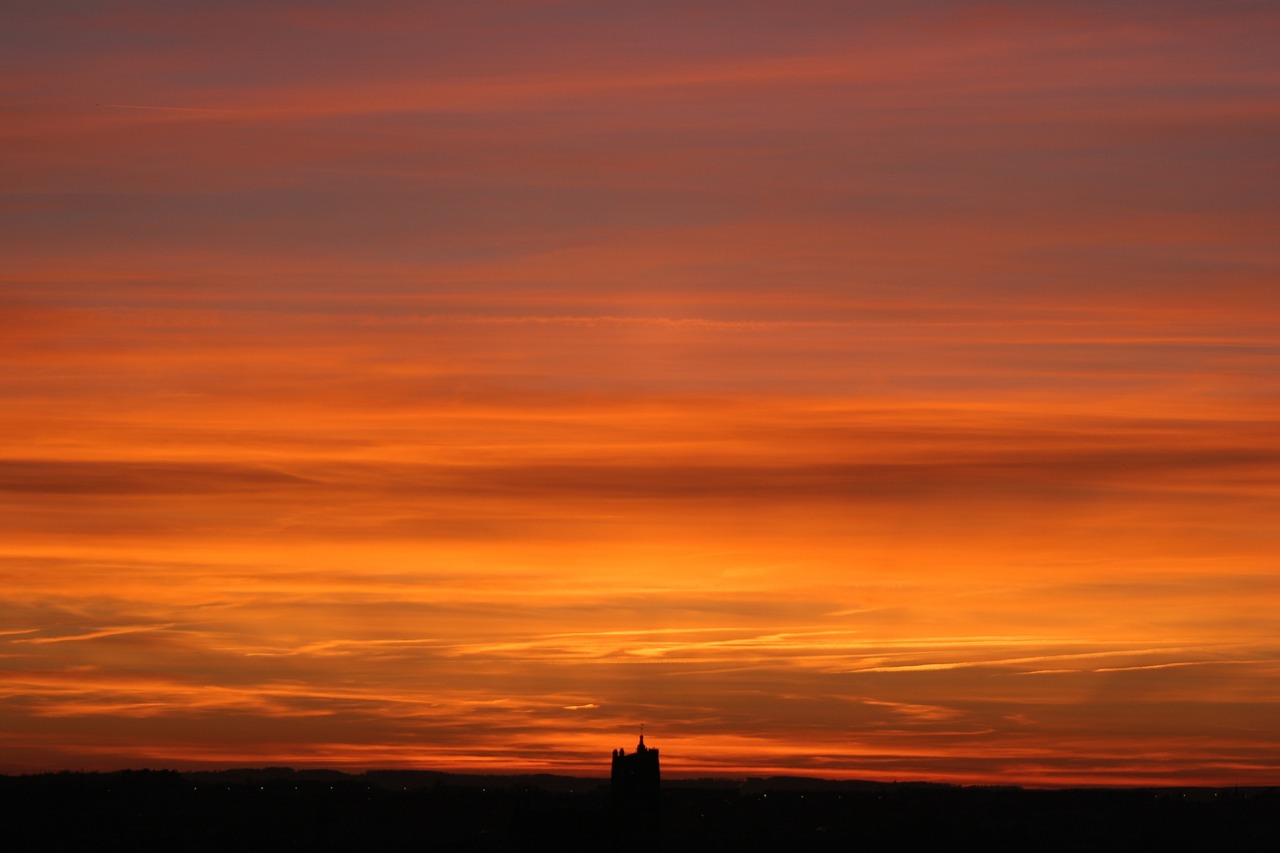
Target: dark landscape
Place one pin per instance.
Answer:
(284, 809)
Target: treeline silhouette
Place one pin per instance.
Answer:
(278, 809)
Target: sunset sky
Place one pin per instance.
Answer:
(884, 390)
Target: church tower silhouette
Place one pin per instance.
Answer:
(635, 779)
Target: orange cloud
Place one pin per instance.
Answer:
(846, 391)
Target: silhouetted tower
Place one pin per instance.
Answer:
(635, 781)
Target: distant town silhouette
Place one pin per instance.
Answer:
(279, 808)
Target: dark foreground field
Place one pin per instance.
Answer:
(279, 810)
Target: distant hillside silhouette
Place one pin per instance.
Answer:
(386, 811)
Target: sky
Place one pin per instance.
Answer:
(844, 389)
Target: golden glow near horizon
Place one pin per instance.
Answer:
(850, 390)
